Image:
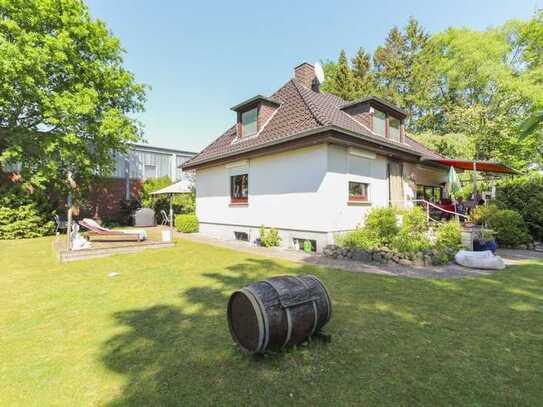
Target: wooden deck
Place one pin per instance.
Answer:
(106, 247)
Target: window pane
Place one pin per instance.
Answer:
(379, 119)
(239, 187)
(150, 171)
(358, 191)
(394, 129)
(248, 122)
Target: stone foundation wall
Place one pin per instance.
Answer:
(387, 256)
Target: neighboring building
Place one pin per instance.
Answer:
(144, 162)
(141, 163)
(309, 164)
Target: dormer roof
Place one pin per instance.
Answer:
(378, 103)
(255, 100)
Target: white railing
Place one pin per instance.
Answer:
(429, 204)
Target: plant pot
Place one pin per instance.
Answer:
(482, 245)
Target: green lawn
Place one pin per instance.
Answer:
(157, 334)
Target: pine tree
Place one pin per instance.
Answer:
(398, 72)
(344, 79)
(363, 76)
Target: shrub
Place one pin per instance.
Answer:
(358, 238)
(510, 228)
(186, 223)
(269, 237)
(24, 222)
(524, 195)
(381, 225)
(406, 242)
(449, 236)
(412, 236)
(480, 214)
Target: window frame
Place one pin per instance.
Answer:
(389, 118)
(358, 198)
(145, 171)
(243, 133)
(239, 200)
(386, 125)
(385, 122)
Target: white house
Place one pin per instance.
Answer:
(309, 164)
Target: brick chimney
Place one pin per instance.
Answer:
(305, 74)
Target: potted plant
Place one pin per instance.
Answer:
(486, 242)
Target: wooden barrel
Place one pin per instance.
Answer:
(278, 312)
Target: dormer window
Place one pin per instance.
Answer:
(379, 123)
(381, 116)
(249, 124)
(253, 114)
(394, 129)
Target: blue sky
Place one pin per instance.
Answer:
(202, 57)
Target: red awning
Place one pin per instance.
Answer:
(483, 166)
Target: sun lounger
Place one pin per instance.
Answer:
(94, 229)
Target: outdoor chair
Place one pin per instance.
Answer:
(165, 218)
(60, 224)
(94, 230)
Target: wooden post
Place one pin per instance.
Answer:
(474, 189)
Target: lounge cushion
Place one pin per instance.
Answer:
(479, 260)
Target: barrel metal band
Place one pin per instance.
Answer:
(326, 296)
(260, 317)
(315, 313)
(289, 328)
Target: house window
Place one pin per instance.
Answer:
(149, 171)
(358, 192)
(429, 193)
(394, 129)
(249, 123)
(239, 188)
(379, 122)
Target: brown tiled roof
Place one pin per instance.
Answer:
(301, 111)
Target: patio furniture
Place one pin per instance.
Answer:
(165, 218)
(60, 224)
(94, 229)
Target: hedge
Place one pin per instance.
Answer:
(186, 223)
(524, 195)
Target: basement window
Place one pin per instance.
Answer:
(243, 236)
(307, 245)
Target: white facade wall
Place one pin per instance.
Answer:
(303, 193)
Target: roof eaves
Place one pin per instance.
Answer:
(195, 163)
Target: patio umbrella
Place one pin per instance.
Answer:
(453, 183)
(181, 187)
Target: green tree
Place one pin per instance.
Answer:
(399, 70)
(362, 74)
(344, 80)
(481, 86)
(65, 97)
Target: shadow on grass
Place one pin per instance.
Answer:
(395, 341)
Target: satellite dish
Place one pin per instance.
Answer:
(319, 72)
